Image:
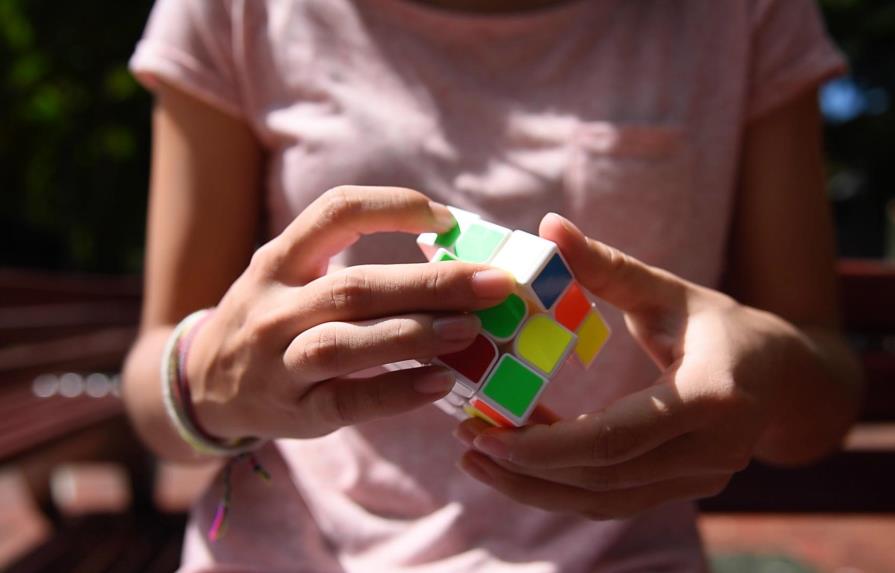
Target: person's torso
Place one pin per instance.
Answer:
(623, 116)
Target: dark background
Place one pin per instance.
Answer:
(74, 133)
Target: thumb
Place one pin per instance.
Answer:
(619, 279)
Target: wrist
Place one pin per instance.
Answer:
(177, 393)
(211, 403)
(813, 405)
(768, 353)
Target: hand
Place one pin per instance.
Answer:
(683, 437)
(274, 358)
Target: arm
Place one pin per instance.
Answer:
(274, 358)
(782, 261)
(205, 196)
(767, 376)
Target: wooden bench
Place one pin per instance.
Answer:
(56, 324)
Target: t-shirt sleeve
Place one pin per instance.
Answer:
(188, 44)
(791, 53)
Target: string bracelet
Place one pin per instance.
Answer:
(179, 407)
(219, 523)
(177, 398)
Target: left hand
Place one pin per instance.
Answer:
(721, 363)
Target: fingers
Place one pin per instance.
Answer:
(691, 455)
(341, 215)
(337, 348)
(345, 401)
(543, 415)
(610, 274)
(596, 505)
(371, 291)
(632, 426)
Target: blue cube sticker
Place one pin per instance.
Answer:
(552, 281)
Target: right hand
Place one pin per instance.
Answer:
(274, 358)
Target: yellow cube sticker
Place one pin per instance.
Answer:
(543, 343)
(592, 335)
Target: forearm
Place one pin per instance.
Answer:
(143, 398)
(820, 390)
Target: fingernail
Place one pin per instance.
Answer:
(443, 215)
(464, 435)
(571, 227)
(469, 430)
(457, 328)
(492, 447)
(439, 382)
(567, 225)
(492, 283)
(471, 467)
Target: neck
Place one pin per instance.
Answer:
(491, 6)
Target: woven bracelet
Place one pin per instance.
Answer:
(177, 399)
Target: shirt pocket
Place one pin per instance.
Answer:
(630, 186)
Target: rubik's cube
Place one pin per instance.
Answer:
(526, 338)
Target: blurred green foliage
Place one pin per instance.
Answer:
(74, 133)
(748, 563)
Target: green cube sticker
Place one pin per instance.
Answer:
(479, 242)
(503, 320)
(443, 256)
(513, 385)
(449, 237)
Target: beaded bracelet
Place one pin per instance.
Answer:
(177, 399)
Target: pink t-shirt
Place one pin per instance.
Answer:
(625, 116)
